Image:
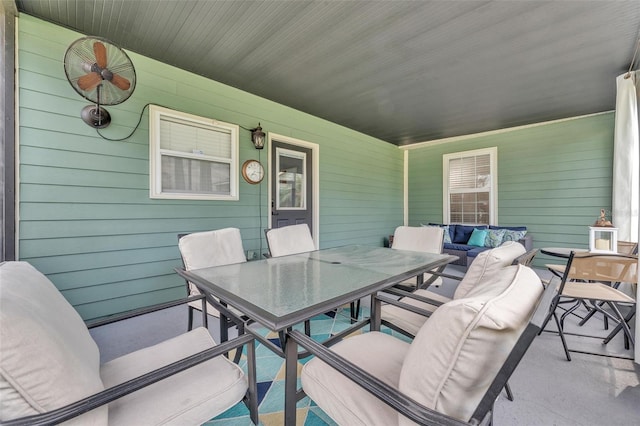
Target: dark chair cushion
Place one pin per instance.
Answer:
(463, 232)
(476, 250)
(510, 228)
(459, 247)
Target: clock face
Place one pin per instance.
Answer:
(252, 171)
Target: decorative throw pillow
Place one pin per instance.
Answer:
(477, 237)
(494, 237)
(513, 235)
(447, 234)
(462, 233)
(446, 229)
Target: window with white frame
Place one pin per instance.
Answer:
(470, 187)
(192, 157)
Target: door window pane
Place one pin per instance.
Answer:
(291, 181)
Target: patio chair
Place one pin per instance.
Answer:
(450, 374)
(587, 279)
(403, 319)
(207, 249)
(624, 247)
(296, 239)
(409, 314)
(288, 240)
(427, 239)
(50, 369)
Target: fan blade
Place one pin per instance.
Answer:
(101, 54)
(89, 81)
(120, 82)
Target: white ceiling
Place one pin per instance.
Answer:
(402, 71)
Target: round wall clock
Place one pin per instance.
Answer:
(252, 171)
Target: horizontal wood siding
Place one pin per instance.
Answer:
(86, 219)
(554, 178)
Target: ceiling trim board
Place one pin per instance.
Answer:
(495, 132)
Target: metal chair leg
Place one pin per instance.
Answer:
(190, 319)
(507, 389)
(564, 342)
(355, 311)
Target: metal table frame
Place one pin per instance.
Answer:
(561, 252)
(323, 280)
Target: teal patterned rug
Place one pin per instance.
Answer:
(270, 377)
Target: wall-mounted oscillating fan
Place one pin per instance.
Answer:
(100, 72)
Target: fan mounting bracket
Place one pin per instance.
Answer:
(95, 116)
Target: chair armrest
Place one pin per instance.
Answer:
(387, 394)
(527, 241)
(405, 306)
(109, 395)
(405, 294)
(221, 307)
(142, 311)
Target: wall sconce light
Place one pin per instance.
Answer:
(257, 137)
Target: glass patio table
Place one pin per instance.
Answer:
(281, 292)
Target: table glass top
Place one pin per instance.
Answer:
(276, 288)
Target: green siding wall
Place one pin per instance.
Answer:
(86, 219)
(554, 178)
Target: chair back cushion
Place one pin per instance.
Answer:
(47, 356)
(418, 238)
(488, 263)
(291, 239)
(212, 248)
(457, 353)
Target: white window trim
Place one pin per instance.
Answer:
(155, 153)
(493, 193)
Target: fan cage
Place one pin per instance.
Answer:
(79, 59)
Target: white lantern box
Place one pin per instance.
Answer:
(603, 239)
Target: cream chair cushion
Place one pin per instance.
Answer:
(48, 360)
(345, 402)
(418, 238)
(427, 239)
(47, 356)
(466, 341)
(448, 366)
(487, 263)
(407, 320)
(207, 249)
(212, 248)
(188, 398)
(291, 239)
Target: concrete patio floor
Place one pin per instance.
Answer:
(548, 389)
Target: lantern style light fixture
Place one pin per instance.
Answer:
(603, 236)
(257, 137)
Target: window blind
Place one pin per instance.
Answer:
(188, 137)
